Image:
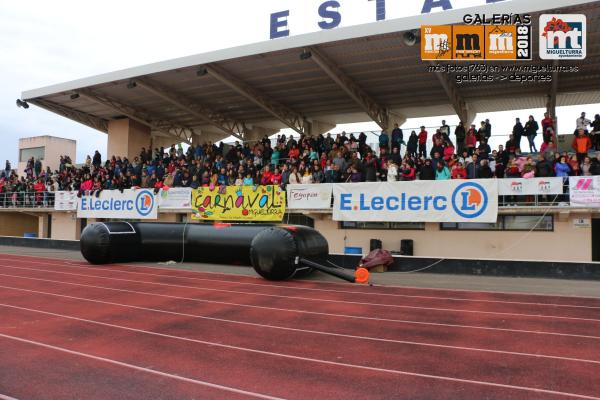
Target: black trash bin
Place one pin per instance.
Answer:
(406, 247)
(375, 244)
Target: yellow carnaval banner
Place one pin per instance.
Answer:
(238, 203)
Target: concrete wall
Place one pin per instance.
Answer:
(65, 226)
(126, 138)
(54, 148)
(16, 224)
(566, 243)
(169, 218)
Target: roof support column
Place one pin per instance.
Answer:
(319, 127)
(126, 138)
(162, 141)
(458, 103)
(395, 119)
(551, 103)
(209, 136)
(257, 133)
(470, 115)
(375, 111)
(43, 226)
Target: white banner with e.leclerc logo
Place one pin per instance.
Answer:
(530, 186)
(130, 204)
(309, 197)
(418, 201)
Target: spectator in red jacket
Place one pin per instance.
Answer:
(87, 184)
(547, 122)
(267, 177)
(471, 140)
(276, 177)
(448, 151)
(294, 152)
(423, 142)
(407, 172)
(40, 188)
(459, 171)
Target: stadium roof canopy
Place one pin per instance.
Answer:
(355, 74)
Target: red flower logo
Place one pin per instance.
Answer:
(556, 25)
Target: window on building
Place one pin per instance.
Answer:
(299, 219)
(528, 222)
(35, 152)
(507, 223)
(472, 226)
(383, 225)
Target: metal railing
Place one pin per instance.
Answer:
(27, 200)
(32, 200)
(538, 200)
(549, 200)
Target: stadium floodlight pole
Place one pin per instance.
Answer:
(376, 112)
(283, 113)
(223, 123)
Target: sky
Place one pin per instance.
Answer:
(44, 43)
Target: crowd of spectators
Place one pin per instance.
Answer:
(344, 158)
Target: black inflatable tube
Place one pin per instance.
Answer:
(273, 251)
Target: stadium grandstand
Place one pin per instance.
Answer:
(310, 83)
(202, 256)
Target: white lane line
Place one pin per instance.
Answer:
(138, 368)
(5, 397)
(308, 359)
(329, 315)
(308, 331)
(385, 286)
(270, 286)
(314, 299)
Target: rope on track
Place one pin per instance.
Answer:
(512, 246)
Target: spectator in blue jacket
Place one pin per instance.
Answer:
(384, 140)
(473, 168)
(562, 168)
(397, 137)
(442, 172)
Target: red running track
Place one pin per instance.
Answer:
(70, 330)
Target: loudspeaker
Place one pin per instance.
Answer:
(375, 244)
(411, 38)
(406, 247)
